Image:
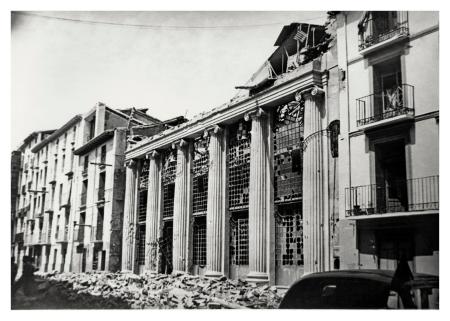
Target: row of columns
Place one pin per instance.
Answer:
(260, 201)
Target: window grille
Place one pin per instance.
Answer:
(143, 178)
(239, 165)
(289, 235)
(199, 240)
(142, 206)
(168, 182)
(95, 261)
(141, 245)
(143, 187)
(239, 239)
(165, 247)
(200, 180)
(288, 153)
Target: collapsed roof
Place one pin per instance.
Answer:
(298, 43)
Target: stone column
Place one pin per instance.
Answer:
(259, 212)
(313, 185)
(129, 215)
(181, 212)
(153, 219)
(215, 216)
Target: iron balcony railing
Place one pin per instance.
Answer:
(384, 105)
(417, 194)
(83, 198)
(84, 171)
(101, 194)
(97, 233)
(381, 26)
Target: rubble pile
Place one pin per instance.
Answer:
(168, 291)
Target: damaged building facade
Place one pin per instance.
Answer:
(327, 158)
(70, 206)
(389, 141)
(249, 189)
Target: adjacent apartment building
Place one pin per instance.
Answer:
(26, 201)
(389, 139)
(71, 191)
(246, 189)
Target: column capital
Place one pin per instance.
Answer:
(132, 163)
(258, 112)
(216, 129)
(312, 92)
(152, 154)
(180, 144)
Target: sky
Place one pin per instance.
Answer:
(173, 63)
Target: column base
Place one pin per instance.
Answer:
(257, 277)
(149, 272)
(214, 274)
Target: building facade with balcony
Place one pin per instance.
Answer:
(246, 189)
(57, 163)
(96, 222)
(389, 140)
(26, 197)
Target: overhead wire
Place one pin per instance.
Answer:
(148, 26)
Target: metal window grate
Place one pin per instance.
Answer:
(142, 215)
(168, 182)
(143, 178)
(95, 261)
(289, 235)
(239, 238)
(143, 187)
(239, 165)
(141, 245)
(199, 240)
(288, 154)
(200, 180)
(165, 247)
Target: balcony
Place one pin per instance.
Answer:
(97, 234)
(83, 198)
(79, 233)
(53, 178)
(84, 172)
(411, 195)
(100, 195)
(379, 29)
(62, 235)
(64, 201)
(387, 107)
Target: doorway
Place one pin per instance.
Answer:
(390, 172)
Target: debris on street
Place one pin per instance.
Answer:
(100, 290)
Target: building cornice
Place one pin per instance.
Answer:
(94, 142)
(57, 133)
(307, 76)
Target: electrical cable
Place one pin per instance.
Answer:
(172, 27)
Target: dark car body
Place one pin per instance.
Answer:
(358, 289)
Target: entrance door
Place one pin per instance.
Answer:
(390, 170)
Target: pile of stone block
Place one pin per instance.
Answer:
(167, 291)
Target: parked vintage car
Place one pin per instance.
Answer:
(362, 289)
